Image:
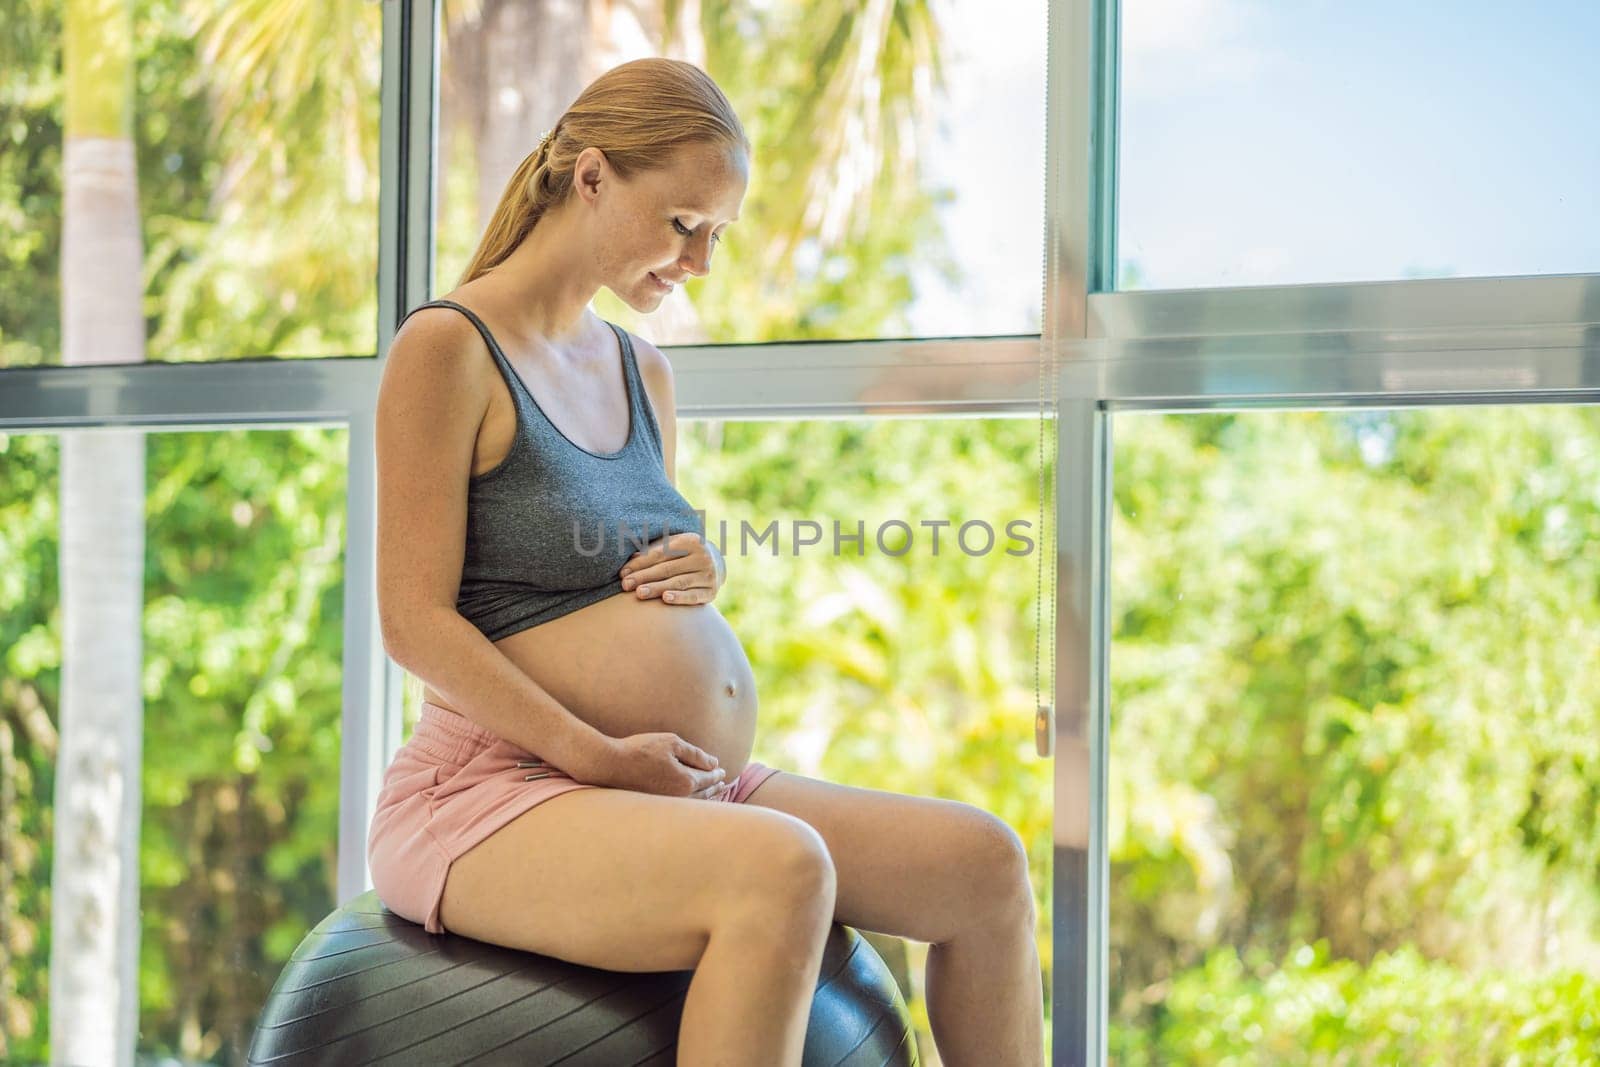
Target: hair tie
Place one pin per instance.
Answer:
(544, 142)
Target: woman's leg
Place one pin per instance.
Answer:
(946, 873)
(629, 881)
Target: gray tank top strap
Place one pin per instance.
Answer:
(638, 398)
(524, 562)
(488, 338)
(442, 303)
(641, 420)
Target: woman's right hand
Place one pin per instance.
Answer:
(660, 762)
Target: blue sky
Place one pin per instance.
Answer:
(1292, 142)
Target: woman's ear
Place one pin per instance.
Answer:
(591, 171)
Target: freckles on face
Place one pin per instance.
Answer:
(660, 255)
(701, 194)
(645, 253)
(638, 242)
(629, 252)
(653, 255)
(659, 247)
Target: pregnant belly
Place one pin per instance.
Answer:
(627, 666)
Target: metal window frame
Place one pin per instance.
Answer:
(1399, 343)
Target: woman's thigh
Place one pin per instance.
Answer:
(629, 881)
(926, 868)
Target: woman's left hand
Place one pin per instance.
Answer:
(680, 568)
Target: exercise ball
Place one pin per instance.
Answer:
(367, 985)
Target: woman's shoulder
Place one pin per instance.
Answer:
(439, 349)
(444, 337)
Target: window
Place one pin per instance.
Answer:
(208, 570)
(1282, 144)
(1353, 755)
(207, 190)
(904, 660)
(883, 202)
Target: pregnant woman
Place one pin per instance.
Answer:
(585, 699)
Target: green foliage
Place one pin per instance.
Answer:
(30, 666)
(30, 182)
(242, 639)
(1354, 693)
(1402, 1008)
(911, 673)
(258, 179)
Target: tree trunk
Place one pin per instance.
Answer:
(506, 76)
(94, 952)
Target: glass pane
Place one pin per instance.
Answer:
(903, 660)
(206, 189)
(1355, 737)
(196, 580)
(897, 182)
(1273, 144)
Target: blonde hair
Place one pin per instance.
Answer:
(638, 114)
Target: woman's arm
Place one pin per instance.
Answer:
(432, 396)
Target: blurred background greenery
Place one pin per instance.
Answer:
(1354, 770)
(1355, 737)
(1353, 781)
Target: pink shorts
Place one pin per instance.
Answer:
(450, 787)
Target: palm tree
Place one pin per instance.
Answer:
(94, 990)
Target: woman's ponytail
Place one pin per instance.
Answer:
(525, 198)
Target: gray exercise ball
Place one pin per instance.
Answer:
(367, 985)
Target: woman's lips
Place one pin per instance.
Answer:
(665, 287)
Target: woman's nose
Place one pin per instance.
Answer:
(697, 259)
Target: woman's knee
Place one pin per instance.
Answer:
(789, 871)
(997, 862)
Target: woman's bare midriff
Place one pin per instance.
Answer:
(623, 665)
(627, 666)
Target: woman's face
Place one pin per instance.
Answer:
(663, 225)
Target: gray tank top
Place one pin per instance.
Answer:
(550, 526)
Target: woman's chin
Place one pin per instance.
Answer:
(643, 303)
